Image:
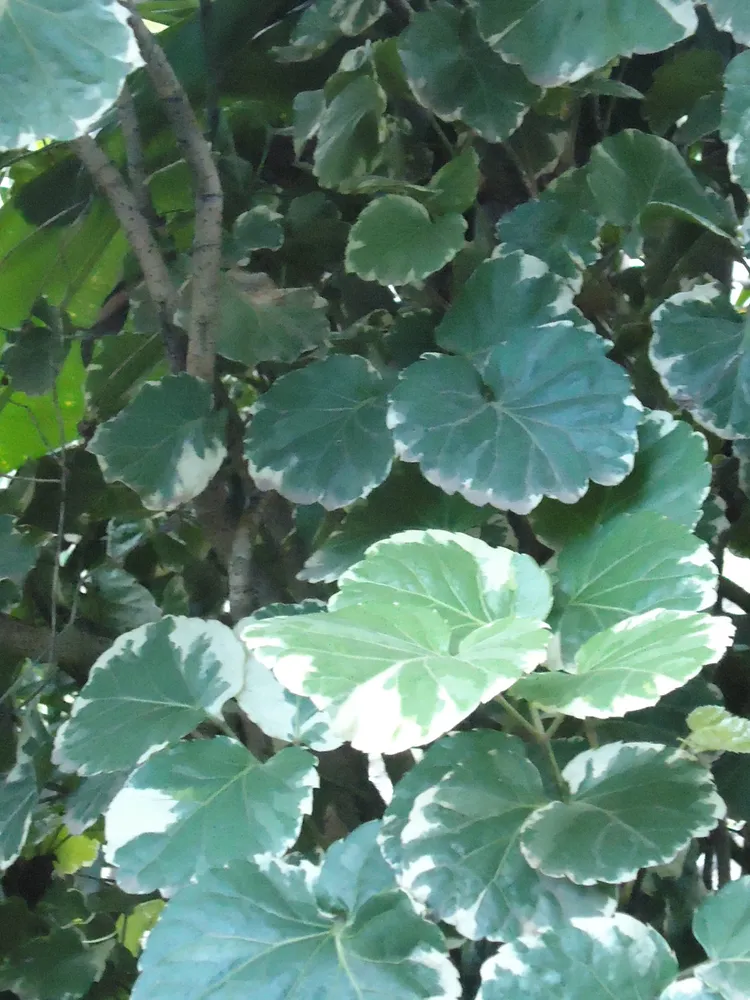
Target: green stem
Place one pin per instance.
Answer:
(545, 743)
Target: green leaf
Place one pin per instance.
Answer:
(314, 32)
(670, 476)
(392, 677)
(246, 929)
(91, 50)
(714, 728)
(120, 366)
(75, 851)
(167, 444)
(631, 665)
(457, 76)
(258, 229)
(116, 600)
(722, 927)
(456, 184)
(735, 117)
(350, 132)
(632, 173)
(462, 807)
(33, 360)
(688, 989)
(260, 322)
(319, 434)
(60, 966)
(596, 957)
(17, 552)
(470, 583)
(632, 564)
(700, 352)
(608, 828)
(538, 411)
(404, 500)
(354, 871)
(557, 227)
(679, 84)
(395, 242)
(733, 16)
(559, 41)
(153, 685)
(281, 714)
(200, 805)
(19, 795)
(89, 801)
(352, 17)
(32, 426)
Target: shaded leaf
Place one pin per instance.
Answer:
(319, 434)
(167, 444)
(454, 73)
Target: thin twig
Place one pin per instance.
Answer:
(159, 285)
(206, 261)
(134, 154)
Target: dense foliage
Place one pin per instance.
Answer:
(374, 431)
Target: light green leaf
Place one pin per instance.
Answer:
(722, 927)
(31, 426)
(714, 728)
(404, 500)
(633, 173)
(608, 829)
(167, 444)
(559, 41)
(260, 322)
(733, 16)
(17, 552)
(319, 434)
(596, 957)
(670, 476)
(461, 808)
(60, 966)
(735, 117)
(392, 677)
(632, 564)
(74, 851)
(700, 352)
(200, 805)
(557, 227)
(395, 242)
(154, 685)
(631, 665)
(350, 132)
(246, 929)
(455, 74)
(62, 80)
(19, 795)
(467, 581)
(539, 410)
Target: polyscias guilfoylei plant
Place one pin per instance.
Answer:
(374, 431)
